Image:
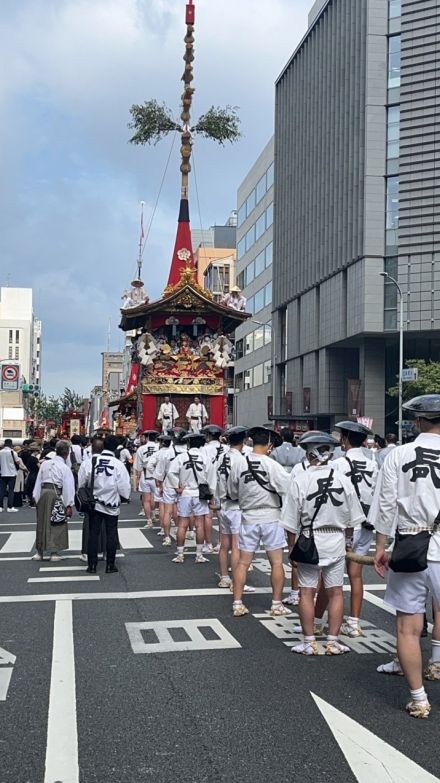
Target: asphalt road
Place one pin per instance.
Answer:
(145, 675)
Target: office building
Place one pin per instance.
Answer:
(356, 191)
(253, 389)
(220, 275)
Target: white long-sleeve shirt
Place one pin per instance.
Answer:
(55, 471)
(362, 471)
(214, 450)
(224, 467)
(409, 490)
(335, 504)
(143, 454)
(111, 482)
(258, 504)
(181, 474)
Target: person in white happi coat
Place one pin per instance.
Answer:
(164, 442)
(322, 501)
(259, 485)
(144, 476)
(167, 494)
(362, 472)
(234, 299)
(409, 503)
(197, 415)
(168, 415)
(213, 449)
(186, 474)
(54, 480)
(111, 484)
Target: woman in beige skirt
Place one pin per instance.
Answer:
(54, 480)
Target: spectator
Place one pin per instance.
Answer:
(8, 469)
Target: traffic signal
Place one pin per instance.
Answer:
(31, 388)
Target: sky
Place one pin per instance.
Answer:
(71, 184)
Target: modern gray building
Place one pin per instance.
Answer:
(253, 366)
(357, 142)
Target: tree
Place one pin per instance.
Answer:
(428, 381)
(71, 401)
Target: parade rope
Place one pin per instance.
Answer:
(361, 559)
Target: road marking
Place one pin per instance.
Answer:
(371, 759)
(62, 735)
(18, 542)
(374, 640)
(63, 568)
(64, 557)
(75, 541)
(133, 538)
(200, 592)
(5, 673)
(63, 579)
(162, 640)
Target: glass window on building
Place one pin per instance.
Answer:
(269, 254)
(267, 371)
(258, 375)
(17, 336)
(241, 279)
(261, 188)
(258, 338)
(10, 352)
(239, 382)
(259, 263)
(392, 217)
(241, 248)
(260, 226)
(268, 293)
(269, 177)
(393, 132)
(248, 379)
(249, 343)
(395, 8)
(250, 305)
(259, 300)
(390, 294)
(250, 203)
(268, 333)
(394, 61)
(241, 216)
(239, 349)
(17, 352)
(250, 237)
(249, 273)
(269, 215)
(10, 335)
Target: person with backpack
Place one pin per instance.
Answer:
(322, 510)
(167, 494)
(362, 472)
(9, 465)
(214, 450)
(144, 477)
(259, 484)
(229, 514)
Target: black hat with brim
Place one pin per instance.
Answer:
(316, 439)
(165, 437)
(274, 437)
(353, 426)
(193, 436)
(211, 429)
(236, 433)
(150, 432)
(426, 406)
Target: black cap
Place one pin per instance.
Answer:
(211, 429)
(426, 406)
(165, 437)
(353, 426)
(273, 437)
(193, 436)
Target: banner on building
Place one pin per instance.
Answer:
(307, 392)
(354, 396)
(10, 376)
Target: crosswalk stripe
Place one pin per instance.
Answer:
(63, 579)
(133, 538)
(19, 542)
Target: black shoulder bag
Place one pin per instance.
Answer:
(84, 500)
(204, 490)
(262, 484)
(305, 550)
(364, 506)
(410, 553)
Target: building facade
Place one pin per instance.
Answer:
(253, 365)
(356, 184)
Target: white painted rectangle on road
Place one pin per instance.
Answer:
(133, 538)
(64, 579)
(62, 733)
(63, 568)
(75, 540)
(162, 639)
(5, 681)
(18, 541)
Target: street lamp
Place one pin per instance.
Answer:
(394, 282)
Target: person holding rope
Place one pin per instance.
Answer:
(362, 472)
(409, 508)
(322, 510)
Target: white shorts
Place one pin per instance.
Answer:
(362, 540)
(408, 593)
(147, 485)
(191, 505)
(230, 522)
(333, 574)
(169, 496)
(270, 534)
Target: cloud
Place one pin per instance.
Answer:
(70, 184)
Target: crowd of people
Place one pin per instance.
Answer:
(327, 497)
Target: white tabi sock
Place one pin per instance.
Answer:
(419, 695)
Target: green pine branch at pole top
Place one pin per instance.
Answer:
(152, 121)
(428, 381)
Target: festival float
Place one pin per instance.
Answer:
(182, 345)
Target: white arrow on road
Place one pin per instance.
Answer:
(371, 759)
(6, 673)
